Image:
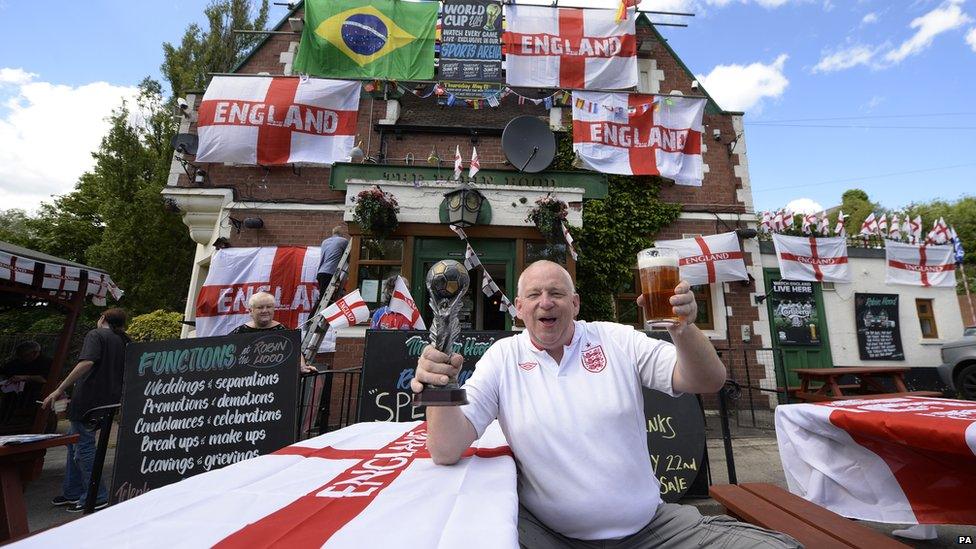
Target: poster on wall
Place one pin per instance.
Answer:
(878, 335)
(795, 318)
(471, 49)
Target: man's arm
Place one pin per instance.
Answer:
(79, 370)
(449, 432)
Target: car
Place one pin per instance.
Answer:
(969, 331)
(958, 368)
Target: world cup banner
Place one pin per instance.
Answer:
(632, 134)
(812, 259)
(708, 259)
(569, 48)
(920, 265)
(272, 121)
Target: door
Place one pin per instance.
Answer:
(478, 311)
(798, 325)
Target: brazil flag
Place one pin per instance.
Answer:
(385, 39)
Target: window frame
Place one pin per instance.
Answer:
(930, 316)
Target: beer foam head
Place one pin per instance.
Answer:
(645, 261)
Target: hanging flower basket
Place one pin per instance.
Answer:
(548, 216)
(376, 212)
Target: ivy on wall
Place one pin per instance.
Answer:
(614, 230)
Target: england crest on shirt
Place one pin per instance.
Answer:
(594, 360)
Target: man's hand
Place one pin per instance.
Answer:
(435, 368)
(683, 303)
(49, 401)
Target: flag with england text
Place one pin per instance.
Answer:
(632, 134)
(277, 120)
(571, 48)
(286, 272)
(402, 302)
(384, 39)
(354, 488)
(708, 259)
(816, 259)
(348, 310)
(14, 268)
(920, 265)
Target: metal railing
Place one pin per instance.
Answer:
(750, 407)
(327, 400)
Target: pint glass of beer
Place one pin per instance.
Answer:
(659, 276)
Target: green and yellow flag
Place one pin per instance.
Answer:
(387, 39)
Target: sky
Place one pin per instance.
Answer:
(872, 94)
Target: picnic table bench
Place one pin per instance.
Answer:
(770, 506)
(871, 381)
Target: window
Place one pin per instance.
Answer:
(926, 318)
(706, 316)
(539, 249)
(378, 260)
(629, 313)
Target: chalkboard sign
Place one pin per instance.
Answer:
(194, 405)
(878, 336)
(675, 427)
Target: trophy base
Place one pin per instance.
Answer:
(433, 396)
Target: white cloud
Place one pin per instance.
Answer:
(874, 102)
(869, 18)
(804, 206)
(946, 17)
(971, 38)
(845, 59)
(743, 87)
(47, 134)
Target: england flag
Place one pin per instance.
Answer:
(922, 265)
(348, 310)
(569, 48)
(708, 259)
(811, 258)
(402, 302)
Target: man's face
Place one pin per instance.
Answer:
(262, 312)
(547, 305)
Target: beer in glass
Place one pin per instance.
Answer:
(659, 276)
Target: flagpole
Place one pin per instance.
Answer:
(969, 297)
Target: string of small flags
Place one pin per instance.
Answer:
(569, 242)
(488, 285)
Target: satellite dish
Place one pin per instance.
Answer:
(185, 143)
(528, 144)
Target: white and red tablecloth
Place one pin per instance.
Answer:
(897, 460)
(367, 485)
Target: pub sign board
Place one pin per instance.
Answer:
(878, 334)
(194, 405)
(794, 309)
(471, 48)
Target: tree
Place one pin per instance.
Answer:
(857, 207)
(15, 228)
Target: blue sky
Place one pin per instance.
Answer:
(894, 79)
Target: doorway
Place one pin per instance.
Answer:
(798, 326)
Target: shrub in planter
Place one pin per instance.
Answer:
(548, 215)
(376, 211)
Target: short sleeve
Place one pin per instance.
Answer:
(482, 391)
(655, 360)
(91, 349)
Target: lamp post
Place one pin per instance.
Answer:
(463, 205)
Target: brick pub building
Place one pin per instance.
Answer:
(300, 205)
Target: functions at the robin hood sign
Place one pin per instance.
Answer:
(193, 405)
(878, 335)
(795, 317)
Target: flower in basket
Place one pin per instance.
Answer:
(548, 215)
(376, 211)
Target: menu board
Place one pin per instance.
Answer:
(675, 440)
(795, 317)
(194, 405)
(878, 336)
(471, 49)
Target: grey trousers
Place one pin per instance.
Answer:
(673, 526)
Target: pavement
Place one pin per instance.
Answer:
(755, 454)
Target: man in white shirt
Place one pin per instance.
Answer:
(567, 395)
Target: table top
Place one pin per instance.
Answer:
(851, 370)
(15, 449)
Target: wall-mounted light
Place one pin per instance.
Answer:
(716, 134)
(463, 205)
(253, 223)
(760, 299)
(746, 233)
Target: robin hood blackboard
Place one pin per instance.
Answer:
(194, 405)
(878, 335)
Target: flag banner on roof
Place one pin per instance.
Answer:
(631, 134)
(100, 285)
(348, 310)
(402, 302)
(708, 259)
(57, 277)
(272, 121)
(357, 487)
(920, 265)
(286, 272)
(572, 48)
(14, 268)
(384, 39)
(61, 277)
(812, 258)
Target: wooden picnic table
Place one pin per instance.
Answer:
(871, 381)
(16, 468)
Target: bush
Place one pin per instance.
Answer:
(155, 326)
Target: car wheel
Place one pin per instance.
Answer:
(966, 382)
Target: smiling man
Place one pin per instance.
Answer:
(567, 394)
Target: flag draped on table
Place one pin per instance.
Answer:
(402, 302)
(708, 259)
(920, 265)
(271, 121)
(351, 488)
(631, 134)
(811, 258)
(569, 48)
(381, 39)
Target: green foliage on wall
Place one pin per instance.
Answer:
(155, 326)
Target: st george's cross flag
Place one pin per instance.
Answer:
(708, 259)
(568, 48)
(348, 310)
(362, 486)
(382, 39)
(920, 265)
(458, 163)
(402, 302)
(475, 166)
(816, 259)
(631, 134)
(14, 268)
(277, 120)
